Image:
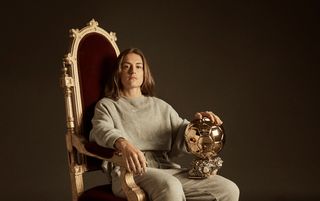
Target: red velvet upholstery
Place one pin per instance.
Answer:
(96, 57)
(94, 148)
(99, 193)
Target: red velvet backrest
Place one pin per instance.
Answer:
(96, 58)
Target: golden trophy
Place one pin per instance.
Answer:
(205, 140)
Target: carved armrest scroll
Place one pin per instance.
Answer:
(94, 150)
(131, 189)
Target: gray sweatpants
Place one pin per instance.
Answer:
(174, 185)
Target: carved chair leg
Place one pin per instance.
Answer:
(131, 189)
(76, 182)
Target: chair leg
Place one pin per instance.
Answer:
(76, 182)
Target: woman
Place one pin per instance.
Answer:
(148, 132)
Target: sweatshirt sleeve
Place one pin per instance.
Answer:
(178, 125)
(103, 131)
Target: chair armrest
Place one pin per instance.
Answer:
(96, 151)
(131, 189)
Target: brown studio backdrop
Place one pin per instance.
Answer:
(253, 63)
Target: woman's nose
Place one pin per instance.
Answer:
(132, 70)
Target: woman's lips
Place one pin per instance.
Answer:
(133, 78)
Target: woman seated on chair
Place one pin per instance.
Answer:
(148, 132)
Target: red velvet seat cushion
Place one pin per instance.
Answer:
(99, 193)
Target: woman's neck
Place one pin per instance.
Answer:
(132, 93)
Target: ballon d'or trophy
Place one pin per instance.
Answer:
(205, 140)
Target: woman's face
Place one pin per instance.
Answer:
(131, 71)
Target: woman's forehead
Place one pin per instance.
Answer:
(132, 57)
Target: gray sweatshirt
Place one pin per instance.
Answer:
(149, 123)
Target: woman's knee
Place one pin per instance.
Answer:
(161, 186)
(173, 184)
(232, 191)
(170, 189)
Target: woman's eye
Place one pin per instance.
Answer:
(139, 67)
(125, 67)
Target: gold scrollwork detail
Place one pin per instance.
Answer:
(67, 59)
(79, 169)
(113, 36)
(93, 23)
(74, 33)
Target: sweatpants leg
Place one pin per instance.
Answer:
(158, 184)
(213, 188)
(161, 185)
(174, 185)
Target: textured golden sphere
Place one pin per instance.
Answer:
(204, 139)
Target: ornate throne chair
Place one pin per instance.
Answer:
(85, 72)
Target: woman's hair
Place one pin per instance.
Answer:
(147, 87)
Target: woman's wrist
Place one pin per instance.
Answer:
(120, 143)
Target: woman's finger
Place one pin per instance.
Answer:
(197, 115)
(136, 164)
(143, 163)
(209, 114)
(127, 164)
(132, 165)
(218, 120)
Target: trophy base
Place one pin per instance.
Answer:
(203, 168)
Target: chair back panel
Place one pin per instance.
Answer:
(96, 58)
(87, 68)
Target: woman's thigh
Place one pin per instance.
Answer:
(174, 184)
(160, 184)
(214, 187)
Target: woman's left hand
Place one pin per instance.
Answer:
(213, 117)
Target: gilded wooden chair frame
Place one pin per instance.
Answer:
(76, 143)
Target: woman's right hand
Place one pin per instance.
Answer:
(134, 158)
